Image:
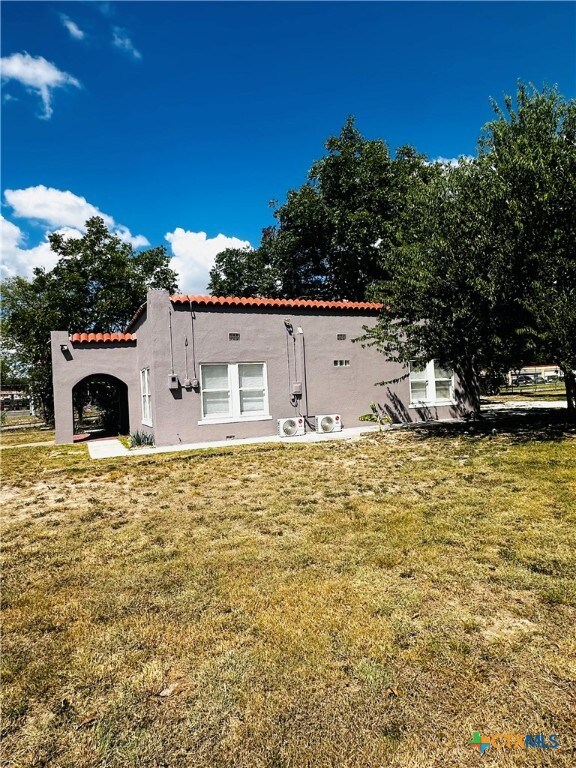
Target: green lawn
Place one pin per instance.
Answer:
(546, 391)
(342, 605)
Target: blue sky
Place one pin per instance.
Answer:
(179, 118)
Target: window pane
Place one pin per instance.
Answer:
(251, 375)
(216, 403)
(252, 401)
(441, 373)
(214, 377)
(418, 390)
(443, 390)
(417, 374)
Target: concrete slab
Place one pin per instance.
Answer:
(522, 405)
(106, 449)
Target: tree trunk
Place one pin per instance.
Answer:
(570, 385)
(470, 388)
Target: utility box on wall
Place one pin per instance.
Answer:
(173, 382)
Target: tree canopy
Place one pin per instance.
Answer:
(97, 284)
(486, 279)
(332, 230)
(475, 262)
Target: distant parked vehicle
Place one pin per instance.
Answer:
(551, 376)
(522, 379)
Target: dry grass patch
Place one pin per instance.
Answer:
(21, 436)
(342, 605)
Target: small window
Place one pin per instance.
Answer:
(341, 336)
(341, 363)
(146, 397)
(431, 384)
(233, 337)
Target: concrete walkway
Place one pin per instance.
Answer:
(522, 405)
(107, 449)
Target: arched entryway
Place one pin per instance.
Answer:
(100, 407)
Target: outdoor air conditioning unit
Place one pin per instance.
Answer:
(291, 427)
(329, 423)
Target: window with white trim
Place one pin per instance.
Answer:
(233, 392)
(146, 397)
(431, 384)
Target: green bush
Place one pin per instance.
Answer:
(138, 439)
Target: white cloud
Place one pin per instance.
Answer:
(62, 208)
(453, 161)
(72, 27)
(194, 255)
(15, 259)
(121, 40)
(36, 74)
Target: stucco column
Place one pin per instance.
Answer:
(63, 411)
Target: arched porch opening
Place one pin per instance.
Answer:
(100, 407)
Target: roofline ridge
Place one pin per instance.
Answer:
(263, 301)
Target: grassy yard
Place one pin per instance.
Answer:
(335, 605)
(548, 391)
(23, 436)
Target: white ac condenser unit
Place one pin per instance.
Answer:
(329, 422)
(291, 427)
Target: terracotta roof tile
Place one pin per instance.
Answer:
(93, 338)
(235, 301)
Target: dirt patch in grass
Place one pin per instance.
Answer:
(343, 604)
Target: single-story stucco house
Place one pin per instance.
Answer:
(202, 368)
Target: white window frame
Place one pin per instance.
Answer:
(234, 389)
(146, 397)
(431, 379)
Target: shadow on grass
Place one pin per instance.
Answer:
(519, 424)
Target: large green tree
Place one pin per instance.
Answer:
(485, 278)
(530, 149)
(244, 272)
(97, 284)
(330, 232)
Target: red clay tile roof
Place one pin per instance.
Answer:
(89, 338)
(235, 301)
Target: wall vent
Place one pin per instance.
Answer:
(341, 336)
(233, 337)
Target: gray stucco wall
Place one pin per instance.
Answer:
(162, 332)
(263, 338)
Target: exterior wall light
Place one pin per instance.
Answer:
(64, 347)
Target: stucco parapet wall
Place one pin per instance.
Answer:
(98, 338)
(256, 302)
